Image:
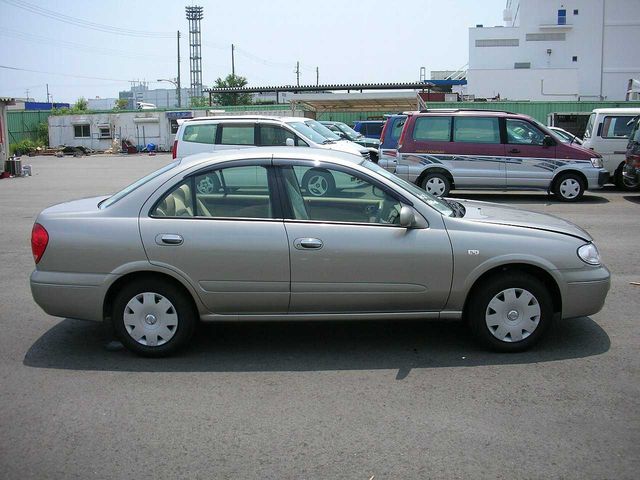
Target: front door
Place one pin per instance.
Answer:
(222, 230)
(349, 253)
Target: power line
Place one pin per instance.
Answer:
(119, 80)
(85, 23)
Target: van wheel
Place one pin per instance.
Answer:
(624, 183)
(153, 318)
(510, 313)
(569, 187)
(436, 184)
(318, 183)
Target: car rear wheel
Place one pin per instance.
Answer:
(510, 313)
(569, 187)
(318, 183)
(436, 184)
(153, 318)
(625, 183)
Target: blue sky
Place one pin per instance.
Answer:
(350, 41)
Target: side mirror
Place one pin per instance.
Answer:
(407, 216)
(548, 141)
(289, 142)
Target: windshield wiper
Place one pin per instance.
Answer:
(327, 140)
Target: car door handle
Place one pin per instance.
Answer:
(169, 239)
(308, 243)
(514, 150)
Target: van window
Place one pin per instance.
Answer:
(616, 127)
(237, 135)
(397, 128)
(476, 130)
(200, 133)
(520, 132)
(432, 129)
(589, 128)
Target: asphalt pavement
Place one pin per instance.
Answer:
(360, 400)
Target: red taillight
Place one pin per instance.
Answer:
(39, 241)
(174, 150)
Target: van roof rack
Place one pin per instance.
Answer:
(442, 110)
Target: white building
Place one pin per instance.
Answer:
(554, 50)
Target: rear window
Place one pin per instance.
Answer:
(432, 129)
(396, 130)
(237, 135)
(373, 128)
(200, 133)
(476, 130)
(617, 127)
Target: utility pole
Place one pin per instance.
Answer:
(297, 73)
(317, 76)
(179, 87)
(233, 62)
(48, 93)
(27, 91)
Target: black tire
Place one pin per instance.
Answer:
(478, 311)
(436, 184)
(318, 182)
(622, 183)
(569, 187)
(182, 305)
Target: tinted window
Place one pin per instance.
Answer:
(434, 129)
(476, 130)
(200, 133)
(520, 132)
(616, 127)
(240, 192)
(237, 135)
(273, 135)
(374, 129)
(335, 196)
(397, 128)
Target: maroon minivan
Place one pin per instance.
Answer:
(443, 149)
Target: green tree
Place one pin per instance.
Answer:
(231, 98)
(121, 104)
(81, 105)
(198, 102)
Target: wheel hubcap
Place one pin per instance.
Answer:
(570, 188)
(150, 319)
(512, 315)
(318, 185)
(435, 186)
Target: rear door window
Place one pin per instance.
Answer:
(616, 127)
(476, 130)
(237, 135)
(432, 129)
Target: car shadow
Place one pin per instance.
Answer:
(311, 346)
(514, 198)
(632, 198)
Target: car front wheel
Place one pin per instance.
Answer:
(509, 313)
(569, 187)
(436, 184)
(153, 318)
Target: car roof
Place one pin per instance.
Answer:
(631, 110)
(293, 153)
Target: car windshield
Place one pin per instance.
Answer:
(589, 129)
(634, 136)
(440, 205)
(322, 130)
(307, 131)
(562, 136)
(127, 190)
(348, 131)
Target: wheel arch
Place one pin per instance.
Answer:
(559, 175)
(438, 169)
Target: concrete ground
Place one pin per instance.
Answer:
(335, 400)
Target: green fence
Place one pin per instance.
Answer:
(23, 124)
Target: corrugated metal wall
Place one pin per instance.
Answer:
(24, 124)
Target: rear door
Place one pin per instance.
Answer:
(197, 137)
(529, 163)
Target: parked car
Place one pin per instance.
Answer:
(388, 156)
(443, 149)
(158, 256)
(369, 128)
(607, 133)
(346, 132)
(564, 136)
(632, 164)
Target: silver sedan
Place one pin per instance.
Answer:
(255, 244)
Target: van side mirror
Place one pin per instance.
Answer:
(289, 142)
(407, 216)
(548, 141)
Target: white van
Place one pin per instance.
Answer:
(208, 134)
(607, 133)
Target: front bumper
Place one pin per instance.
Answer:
(631, 173)
(586, 291)
(596, 177)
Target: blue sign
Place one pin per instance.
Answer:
(176, 115)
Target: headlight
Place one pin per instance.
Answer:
(589, 254)
(596, 162)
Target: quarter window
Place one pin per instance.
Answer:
(237, 135)
(432, 129)
(476, 130)
(616, 127)
(200, 133)
(329, 195)
(520, 132)
(82, 131)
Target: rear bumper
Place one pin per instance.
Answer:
(586, 291)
